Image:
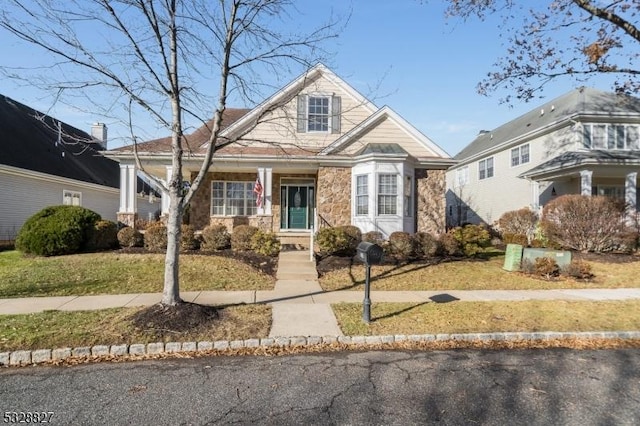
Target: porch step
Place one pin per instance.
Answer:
(296, 240)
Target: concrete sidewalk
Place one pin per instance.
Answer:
(300, 307)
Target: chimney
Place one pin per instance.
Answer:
(99, 133)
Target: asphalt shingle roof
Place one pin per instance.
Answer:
(29, 140)
(585, 101)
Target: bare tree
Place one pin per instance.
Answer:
(162, 57)
(551, 39)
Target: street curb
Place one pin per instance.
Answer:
(40, 356)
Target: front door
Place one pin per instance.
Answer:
(297, 206)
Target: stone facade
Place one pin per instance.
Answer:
(128, 219)
(431, 203)
(334, 196)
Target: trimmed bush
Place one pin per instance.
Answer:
(546, 267)
(265, 243)
(333, 241)
(241, 237)
(518, 222)
(401, 246)
(354, 236)
(103, 236)
(188, 240)
(509, 238)
(472, 239)
(155, 237)
(578, 269)
(450, 245)
(215, 237)
(584, 223)
(426, 245)
(374, 237)
(57, 230)
(129, 237)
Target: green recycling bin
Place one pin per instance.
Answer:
(512, 257)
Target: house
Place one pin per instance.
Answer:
(322, 154)
(45, 162)
(584, 142)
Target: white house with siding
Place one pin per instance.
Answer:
(45, 162)
(584, 142)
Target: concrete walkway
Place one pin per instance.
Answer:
(300, 307)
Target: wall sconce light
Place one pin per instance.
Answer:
(553, 191)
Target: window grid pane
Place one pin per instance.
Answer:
(515, 157)
(233, 199)
(387, 194)
(318, 114)
(362, 195)
(524, 154)
(490, 167)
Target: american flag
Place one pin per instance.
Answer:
(257, 188)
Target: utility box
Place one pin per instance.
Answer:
(369, 253)
(561, 257)
(512, 257)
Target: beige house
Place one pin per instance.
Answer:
(323, 156)
(584, 142)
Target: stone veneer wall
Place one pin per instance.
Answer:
(200, 214)
(334, 195)
(431, 186)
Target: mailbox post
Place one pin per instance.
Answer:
(369, 254)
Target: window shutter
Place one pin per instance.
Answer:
(302, 113)
(336, 106)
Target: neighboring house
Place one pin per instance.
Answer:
(323, 156)
(584, 142)
(45, 162)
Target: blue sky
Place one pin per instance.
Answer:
(401, 53)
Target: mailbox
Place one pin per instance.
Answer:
(369, 253)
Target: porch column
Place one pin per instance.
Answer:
(585, 182)
(128, 196)
(535, 195)
(266, 178)
(630, 193)
(165, 194)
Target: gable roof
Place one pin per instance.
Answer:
(371, 121)
(30, 140)
(582, 101)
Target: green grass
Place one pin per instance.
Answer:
(118, 273)
(55, 329)
(470, 274)
(486, 317)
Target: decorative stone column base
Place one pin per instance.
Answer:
(128, 219)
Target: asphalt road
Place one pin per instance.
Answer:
(544, 387)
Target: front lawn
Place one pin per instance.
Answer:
(58, 329)
(487, 317)
(472, 274)
(120, 273)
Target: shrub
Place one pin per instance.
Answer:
(354, 237)
(518, 222)
(57, 230)
(265, 243)
(546, 267)
(509, 238)
(426, 245)
(537, 243)
(450, 245)
(215, 237)
(584, 223)
(374, 237)
(155, 237)
(577, 269)
(103, 236)
(472, 239)
(241, 237)
(129, 237)
(333, 241)
(188, 240)
(401, 246)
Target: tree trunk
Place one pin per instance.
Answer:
(171, 291)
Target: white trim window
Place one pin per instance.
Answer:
(233, 199)
(71, 198)
(485, 168)
(362, 195)
(520, 155)
(462, 177)
(318, 113)
(611, 136)
(387, 194)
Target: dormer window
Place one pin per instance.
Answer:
(319, 113)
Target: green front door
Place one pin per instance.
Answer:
(297, 206)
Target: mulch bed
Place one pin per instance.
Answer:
(179, 318)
